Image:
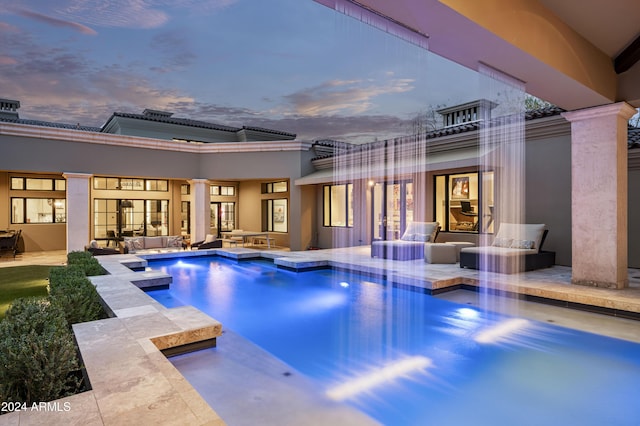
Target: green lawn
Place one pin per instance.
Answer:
(22, 281)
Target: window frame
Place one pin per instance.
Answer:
(54, 214)
(269, 218)
(327, 205)
(478, 196)
(106, 183)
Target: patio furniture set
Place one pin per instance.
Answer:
(515, 248)
(9, 240)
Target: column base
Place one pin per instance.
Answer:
(601, 284)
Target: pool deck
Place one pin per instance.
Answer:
(134, 383)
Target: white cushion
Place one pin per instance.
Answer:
(209, 238)
(154, 242)
(498, 251)
(421, 229)
(522, 231)
(94, 244)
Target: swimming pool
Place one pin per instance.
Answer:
(403, 357)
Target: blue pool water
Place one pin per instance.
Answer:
(403, 357)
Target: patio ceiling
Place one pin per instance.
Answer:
(573, 53)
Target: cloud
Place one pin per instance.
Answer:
(343, 96)
(63, 86)
(355, 129)
(7, 60)
(80, 14)
(56, 22)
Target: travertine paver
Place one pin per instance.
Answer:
(134, 383)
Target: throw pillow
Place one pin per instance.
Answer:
(128, 244)
(523, 244)
(174, 241)
(502, 242)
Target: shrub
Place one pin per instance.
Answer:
(75, 295)
(57, 276)
(37, 353)
(86, 261)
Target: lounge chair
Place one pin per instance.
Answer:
(95, 249)
(516, 248)
(10, 244)
(209, 242)
(410, 246)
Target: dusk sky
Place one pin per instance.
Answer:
(290, 65)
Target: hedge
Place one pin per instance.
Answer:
(86, 261)
(38, 356)
(37, 353)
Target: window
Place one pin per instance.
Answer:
(275, 215)
(227, 190)
(338, 205)
(185, 189)
(222, 190)
(272, 187)
(130, 184)
(156, 185)
(38, 184)
(38, 210)
(17, 183)
(128, 218)
(106, 183)
(227, 216)
(185, 217)
(464, 202)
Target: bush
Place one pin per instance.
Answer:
(37, 353)
(86, 261)
(75, 295)
(57, 276)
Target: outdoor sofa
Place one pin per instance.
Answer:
(410, 246)
(516, 248)
(141, 244)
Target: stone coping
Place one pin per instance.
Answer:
(132, 381)
(551, 285)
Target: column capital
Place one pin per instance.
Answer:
(73, 175)
(622, 109)
(198, 181)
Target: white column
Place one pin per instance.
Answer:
(599, 195)
(78, 210)
(200, 209)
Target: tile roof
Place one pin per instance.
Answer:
(438, 133)
(634, 137)
(265, 130)
(156, 118)
(179, 121)
(49, 124)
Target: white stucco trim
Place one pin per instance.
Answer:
(81, 136)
